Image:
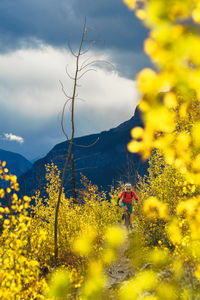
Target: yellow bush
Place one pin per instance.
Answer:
(80, 226)
(169, 198)
(27, 242)
(171, 110)
(19, 275)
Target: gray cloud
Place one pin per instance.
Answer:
(54, 21)
(28, 23)
(33, 43)
(31, 100)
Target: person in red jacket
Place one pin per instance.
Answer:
(127, 197)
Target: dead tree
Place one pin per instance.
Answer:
(80, 70)
(73, 179)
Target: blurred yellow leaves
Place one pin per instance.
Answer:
(158, 257)
(59, 285)
(95, 281)
(154, 208)
(114, 236)
(174, 231)
(136, 287)
(170, 100)
(83, 244)
(130, 3)
(147, 81)
(197, 272)
(196, 134)
(170, 112)
(137, 132)
(196, 12)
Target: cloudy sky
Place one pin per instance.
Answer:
(34, 54)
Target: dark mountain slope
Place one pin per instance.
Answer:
(103, 163)
(16, 163)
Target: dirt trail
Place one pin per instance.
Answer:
(122, 269)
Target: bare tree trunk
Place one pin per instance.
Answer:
(80, 71)
(70, 146)
(73, 180)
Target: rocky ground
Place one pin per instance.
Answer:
(119, 271)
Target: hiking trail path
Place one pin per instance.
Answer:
(120, 271)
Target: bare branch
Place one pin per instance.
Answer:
(63, 90)
(72, 78)
(105, 62)
(87, 146)
(84, 62)
(62, 121)
(70, 48)
(89, 47)
(63, 111)
(89, 70)
(94, 62)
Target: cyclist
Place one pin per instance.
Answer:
(127, 197)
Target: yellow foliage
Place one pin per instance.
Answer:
(154, 208)
(19, 277)
(27, 243)
(130, 3)
(135, 288)
(168, 213)
(59, 285)
(114, 236)
(171, 113)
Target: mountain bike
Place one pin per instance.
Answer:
(126, 217)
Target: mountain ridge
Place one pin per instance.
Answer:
(15, 162)
(104, 163)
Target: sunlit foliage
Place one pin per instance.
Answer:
(171, 109)
(85, 222)
(88, 241)
(19, 273)
(165, 247)
(160, 194)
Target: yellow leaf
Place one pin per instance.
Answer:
(170, 100)
(196, 15)
(130, 4)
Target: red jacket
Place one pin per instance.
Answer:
(128, 197)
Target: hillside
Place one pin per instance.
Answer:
(16, 163)
(103, 163)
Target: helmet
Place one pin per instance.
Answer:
(127, 186)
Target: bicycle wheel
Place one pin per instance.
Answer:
(127, 220)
